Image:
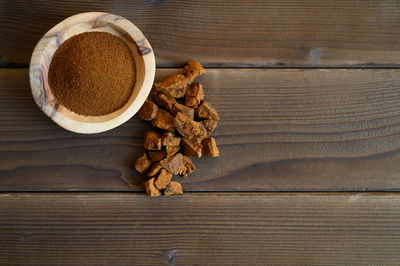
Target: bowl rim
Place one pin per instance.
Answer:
(89, 124)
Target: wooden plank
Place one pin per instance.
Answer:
(201, 229)
(280, 130)
(228, 33)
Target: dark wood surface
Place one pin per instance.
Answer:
(280, 130)
(228, 33)
(309, 98)
(200, 229)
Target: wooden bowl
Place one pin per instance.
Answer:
(86, 22)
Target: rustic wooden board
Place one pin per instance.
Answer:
(228, 33)
(280, 130)
(201, 229)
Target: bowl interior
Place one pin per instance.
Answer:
(89, 22)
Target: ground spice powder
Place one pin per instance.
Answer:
(92, 73)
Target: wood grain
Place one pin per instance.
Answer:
(200, 229)
(228, 33)
(280, 130)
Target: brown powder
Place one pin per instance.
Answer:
(92, 73)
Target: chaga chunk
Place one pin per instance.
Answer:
(206, 111)
(188, 167)
(173, 188)
(171, 150)
(164, 100)
(188, 128)
(152, 141)
(163, 179)
(194, 95)
(210, 147)
(154, 169)
(209, 126)
(169, 139)
(142, 163)
(151, 190)
(157, 156)
(192, 147)
(173, 85)
(189, 112)
(192, 70)
(148, 111)
(164, 120)
(173, 164)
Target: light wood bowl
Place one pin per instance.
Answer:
(86, 22)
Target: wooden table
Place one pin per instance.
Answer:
(309, 172)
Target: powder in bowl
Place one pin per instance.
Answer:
(92, 73)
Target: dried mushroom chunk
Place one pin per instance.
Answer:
(171, 150)
(164, 100)
(152, 141)
(164, 120)
(187, 127)
(151, 190)
(142, 163)
(163, 179)
(173, 188)
(189, 112)
(194, 95)
(210, 147)
(193, 69)
(206, 111)
(148, 111)
(173, 85)
(169, 139)
(188, 167)
(156, 156)
(192, 147)
(209, 125)
(173, 164)
(154, 169)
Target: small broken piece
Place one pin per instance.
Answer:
(169, 139)
(209, 125)
(206, 111)
(164, 100)
(173, 164)
(210, 147)
(152, 141)
(154, 169)
(171, 150)
(151, 190)
(192, 70)
(142, 163)
(164, 120)
(189, 112)
(192, 147)
(156, 156)
(188, 167)
(148, 111)
(163, 179)
(187, 127)
(173, 188)
(173, 85)
(194, 95)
